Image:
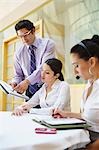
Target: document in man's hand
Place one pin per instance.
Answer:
(63, 123)
(8, 90)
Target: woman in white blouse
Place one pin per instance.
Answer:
(85, 60)
(55, 93)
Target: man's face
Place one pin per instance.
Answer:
(27, 36)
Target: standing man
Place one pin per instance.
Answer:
(28, 59)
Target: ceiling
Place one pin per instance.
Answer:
(13, 10)
(7, 6)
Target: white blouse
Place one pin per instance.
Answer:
(90, 107)
(58, 97)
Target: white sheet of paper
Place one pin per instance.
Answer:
(6, 87)
(64, 121)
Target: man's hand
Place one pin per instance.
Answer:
(22, 86)
(13, 84)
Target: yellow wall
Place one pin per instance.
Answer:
(76, 94)
(0, 100)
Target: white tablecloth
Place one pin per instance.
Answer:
(18, 133)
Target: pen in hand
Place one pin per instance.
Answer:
(55, 114)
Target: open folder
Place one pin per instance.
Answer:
(63, 123)
(6, 88)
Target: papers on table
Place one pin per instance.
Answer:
(63, 123)
(6, 88)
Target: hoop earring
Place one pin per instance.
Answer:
(90, 72)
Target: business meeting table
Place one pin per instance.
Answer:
(18, 133)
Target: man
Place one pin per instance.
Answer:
(43, 49)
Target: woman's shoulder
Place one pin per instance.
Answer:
(64, 83)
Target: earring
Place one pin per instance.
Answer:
(90, 72)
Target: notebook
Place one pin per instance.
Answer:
(6, 88)
(63, 123)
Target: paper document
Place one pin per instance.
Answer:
(9, 90)
(63, 123)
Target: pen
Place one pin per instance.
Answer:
(57, 115)
(56, 108)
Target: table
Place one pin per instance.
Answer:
(18, 133)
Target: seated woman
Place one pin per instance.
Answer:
(85, 60)
(54, 93)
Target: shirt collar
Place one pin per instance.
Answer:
(55, 84)
(34, 43)
(96, 82)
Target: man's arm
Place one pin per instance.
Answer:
(35, 77)
(18, 73)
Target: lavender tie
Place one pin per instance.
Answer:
(32, 59)
(32, 88)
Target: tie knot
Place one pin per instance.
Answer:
(32, 47)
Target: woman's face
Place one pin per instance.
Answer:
(47, 75)
(80, 66)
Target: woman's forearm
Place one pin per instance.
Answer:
(75, 115)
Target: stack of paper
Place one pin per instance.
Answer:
(63, 123)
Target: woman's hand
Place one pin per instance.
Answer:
(22, 109)
(65, 114)
(57, 113)
(18, 111)
(26, 107)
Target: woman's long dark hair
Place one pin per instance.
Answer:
(56, 67)
(87, 48)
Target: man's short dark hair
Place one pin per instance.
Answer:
(24, 24)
